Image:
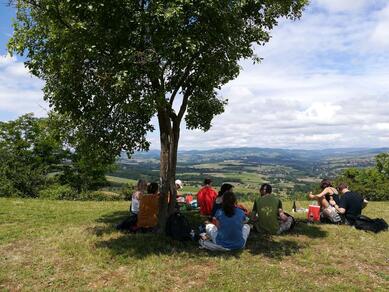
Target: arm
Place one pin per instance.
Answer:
(282, 215)
(322, 194)
(253, 215)
(339, 209)
(217, 223)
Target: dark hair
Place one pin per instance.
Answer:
(325, 183)
(266, 188)
(225, 188)
(207, 181)
(228, 204)
(152, 188)
(342, 186)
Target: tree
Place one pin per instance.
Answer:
(113, 64)
(29, 150)
(382, 163)
(87, 163)
(33, 148)
(370, 182)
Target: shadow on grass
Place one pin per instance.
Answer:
(310, 230)
(272, 247)
(141, 245)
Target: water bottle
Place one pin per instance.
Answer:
(192, 234)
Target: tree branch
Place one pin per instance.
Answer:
(183, 78)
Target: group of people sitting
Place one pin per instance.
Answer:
(228, 224)
(335, 208)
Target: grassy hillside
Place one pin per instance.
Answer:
(57, 245)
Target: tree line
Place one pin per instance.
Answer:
(38, 155)
(370, 182)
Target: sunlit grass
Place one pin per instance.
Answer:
(63, 245)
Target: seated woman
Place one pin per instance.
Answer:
(267, 213)
(148, 207)
(130, 222)
(141, 188)
(328, 196)
(219, 199)
(229, 230)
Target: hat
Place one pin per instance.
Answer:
(179, 183)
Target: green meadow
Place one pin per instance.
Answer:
(69, 245)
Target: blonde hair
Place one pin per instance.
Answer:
(141, 185)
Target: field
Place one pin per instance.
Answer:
(64, 245)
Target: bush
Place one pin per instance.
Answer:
(369, 182)
(58, 192)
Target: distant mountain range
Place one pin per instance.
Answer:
(291, 164)
(267, 154)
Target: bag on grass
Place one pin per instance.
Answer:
(178, 228)
(128, 224)
(375, 225)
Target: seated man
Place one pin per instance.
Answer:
(350, 205)
(267, 213)
(206, 197)
(148, 207)
(180, 197)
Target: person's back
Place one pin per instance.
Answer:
(267, 209)
(140, 189)
(352, 202)
(148, 207)
(206, 198)
(230, 233)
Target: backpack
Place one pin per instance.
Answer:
(178, 228)
(375, 225)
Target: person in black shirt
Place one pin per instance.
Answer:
(350, 205)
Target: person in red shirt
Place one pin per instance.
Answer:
(206, 197)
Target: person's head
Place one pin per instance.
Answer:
(342, 188)
(141, 185)
(228, 205)
(265, 189)
(207, 181)
(152, 188)
(225, 188)
(325, 183)
(179, 184)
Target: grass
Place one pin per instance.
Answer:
(120, 180)
(63, 245)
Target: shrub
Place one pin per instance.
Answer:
(58, 192)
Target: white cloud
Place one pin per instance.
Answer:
(323, 83)
(380, 34)
(6, 60)
(343, 5)
(20, 92)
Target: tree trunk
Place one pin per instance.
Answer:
(169, 136)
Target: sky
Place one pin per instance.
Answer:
(323, 83)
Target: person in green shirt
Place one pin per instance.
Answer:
(267, 213)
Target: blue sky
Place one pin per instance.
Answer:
(323, 83)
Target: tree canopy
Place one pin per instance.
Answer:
(111, 65)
